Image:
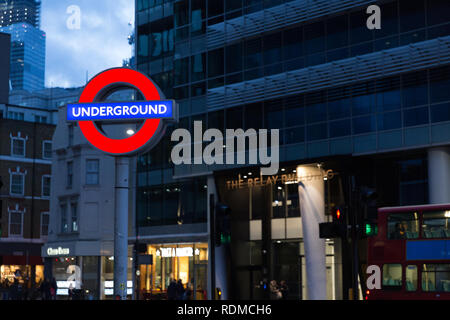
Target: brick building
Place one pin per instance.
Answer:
(25, 172)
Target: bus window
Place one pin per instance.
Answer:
(436, 224)
(403, 225)
(436, 277)
(392, 275)
(411, 277)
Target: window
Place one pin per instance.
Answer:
(15, 223)
(46, 180)
(18, 147)
(47, 150)
(411, 277)
(436, 224)
(40, 119)
(392, 276)
(436, 277)
(74, 217)
(64, 224)
(17, 184)
(71, 135)
(69, 174)
(45, 221)
(92, 172)
(15, 115)
(403, 226)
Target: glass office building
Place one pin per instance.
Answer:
(13, 11)
(370, 103)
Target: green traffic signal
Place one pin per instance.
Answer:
(371, 229)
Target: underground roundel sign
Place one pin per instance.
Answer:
(155, 111)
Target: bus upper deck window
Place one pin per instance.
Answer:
(436, 224)
(403, 225)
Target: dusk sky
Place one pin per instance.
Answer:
(100, 42)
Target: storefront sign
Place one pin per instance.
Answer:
(155, 111)
(58, 251)
(289, 178)
(177, 252)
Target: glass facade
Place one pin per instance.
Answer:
(27, 56)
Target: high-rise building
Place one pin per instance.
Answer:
(5, 44)
(21, 19)
(368, 103)
(27, 56)
(13, 11)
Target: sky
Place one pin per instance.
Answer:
(99, 43)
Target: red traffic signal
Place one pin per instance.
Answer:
(338, 214)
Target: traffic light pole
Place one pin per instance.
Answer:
(212, 249)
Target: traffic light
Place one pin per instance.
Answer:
(368, 199)
(222, 234)
(370, 229)
(337, 228)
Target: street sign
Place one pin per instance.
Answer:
(155, 111)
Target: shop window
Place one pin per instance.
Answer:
(16, 224)
(253, 54)
(436, 224)
(411, 277)
(392, 276)
(436, 277)
(403, 226)
(294, 111)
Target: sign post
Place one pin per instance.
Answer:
(155, 112)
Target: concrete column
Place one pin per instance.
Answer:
(439, 175)
(121, 227)
(312, 205)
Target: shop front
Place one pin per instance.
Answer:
(80, 274)
(22, 263)
(185, 262)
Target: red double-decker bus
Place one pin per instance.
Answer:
(412, 249)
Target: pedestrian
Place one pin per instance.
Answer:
(180, 290)
(53, 288)
(275, 293)
(284, 289)
(188, 292)
(172, 290)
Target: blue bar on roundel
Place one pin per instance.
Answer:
(120, 110)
